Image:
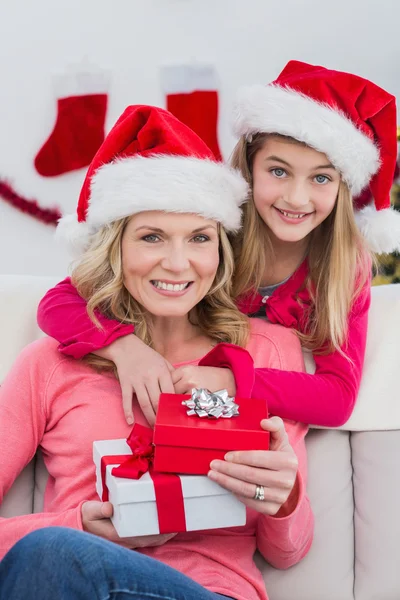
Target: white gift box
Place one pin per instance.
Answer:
(207, 505)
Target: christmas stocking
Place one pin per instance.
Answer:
(79, 129)
(193, 99)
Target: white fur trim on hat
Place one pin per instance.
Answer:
(74, 234)
(169, 183)
(282, 110)
(166, 183)
(381, 228)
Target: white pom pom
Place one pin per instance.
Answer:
(74, 234)
(381, 228)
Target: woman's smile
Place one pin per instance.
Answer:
(171, 288)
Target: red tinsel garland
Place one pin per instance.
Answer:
(49, 216)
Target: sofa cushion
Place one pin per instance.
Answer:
(41, 477)
(20, 296)
(326, 573)
(375, 457)
(377, 407)
(19, 499)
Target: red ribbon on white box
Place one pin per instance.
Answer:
(167, 486)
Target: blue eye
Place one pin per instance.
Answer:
(279, 173)
(321, 179)
(152, 238)
(200, 239)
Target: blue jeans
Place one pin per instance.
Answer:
(57, 563)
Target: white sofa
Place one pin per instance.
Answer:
(354, 472)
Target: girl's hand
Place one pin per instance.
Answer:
(96, 520)
(275, 470)
(212, 378)
(141, 371)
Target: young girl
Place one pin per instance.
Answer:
(309, 144)
(153, 213)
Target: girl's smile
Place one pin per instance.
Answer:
(291, 217)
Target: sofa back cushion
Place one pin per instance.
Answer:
(19, 299)
(376, 480)
(19, 500)
(327, 572)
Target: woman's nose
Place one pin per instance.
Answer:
(176, 259)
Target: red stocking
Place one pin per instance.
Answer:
(192, 97)
(79, 128)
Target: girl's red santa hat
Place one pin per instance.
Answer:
(348, 118)
(152, 161)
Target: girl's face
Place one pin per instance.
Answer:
(169, 260)
(294, 188)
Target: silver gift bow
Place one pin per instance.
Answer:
(214, 405)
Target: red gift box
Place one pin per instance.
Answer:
(188, 443)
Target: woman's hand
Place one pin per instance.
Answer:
(96, 520)
(212, 378)
(275, 470)
(141, 371)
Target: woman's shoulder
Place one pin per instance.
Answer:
(42, 354)
(35, 364)
(42, 363)
(45, 349)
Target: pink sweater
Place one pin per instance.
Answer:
(325, 398)
(62, 405)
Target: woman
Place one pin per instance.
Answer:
(152, 218)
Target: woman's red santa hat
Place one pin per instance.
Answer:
(348, 118)
(152, 161)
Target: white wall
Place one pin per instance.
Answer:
(248, 41)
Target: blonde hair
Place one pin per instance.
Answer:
(339, 263)
(98, 277)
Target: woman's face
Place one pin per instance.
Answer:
(169, 260)
(294, 188)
